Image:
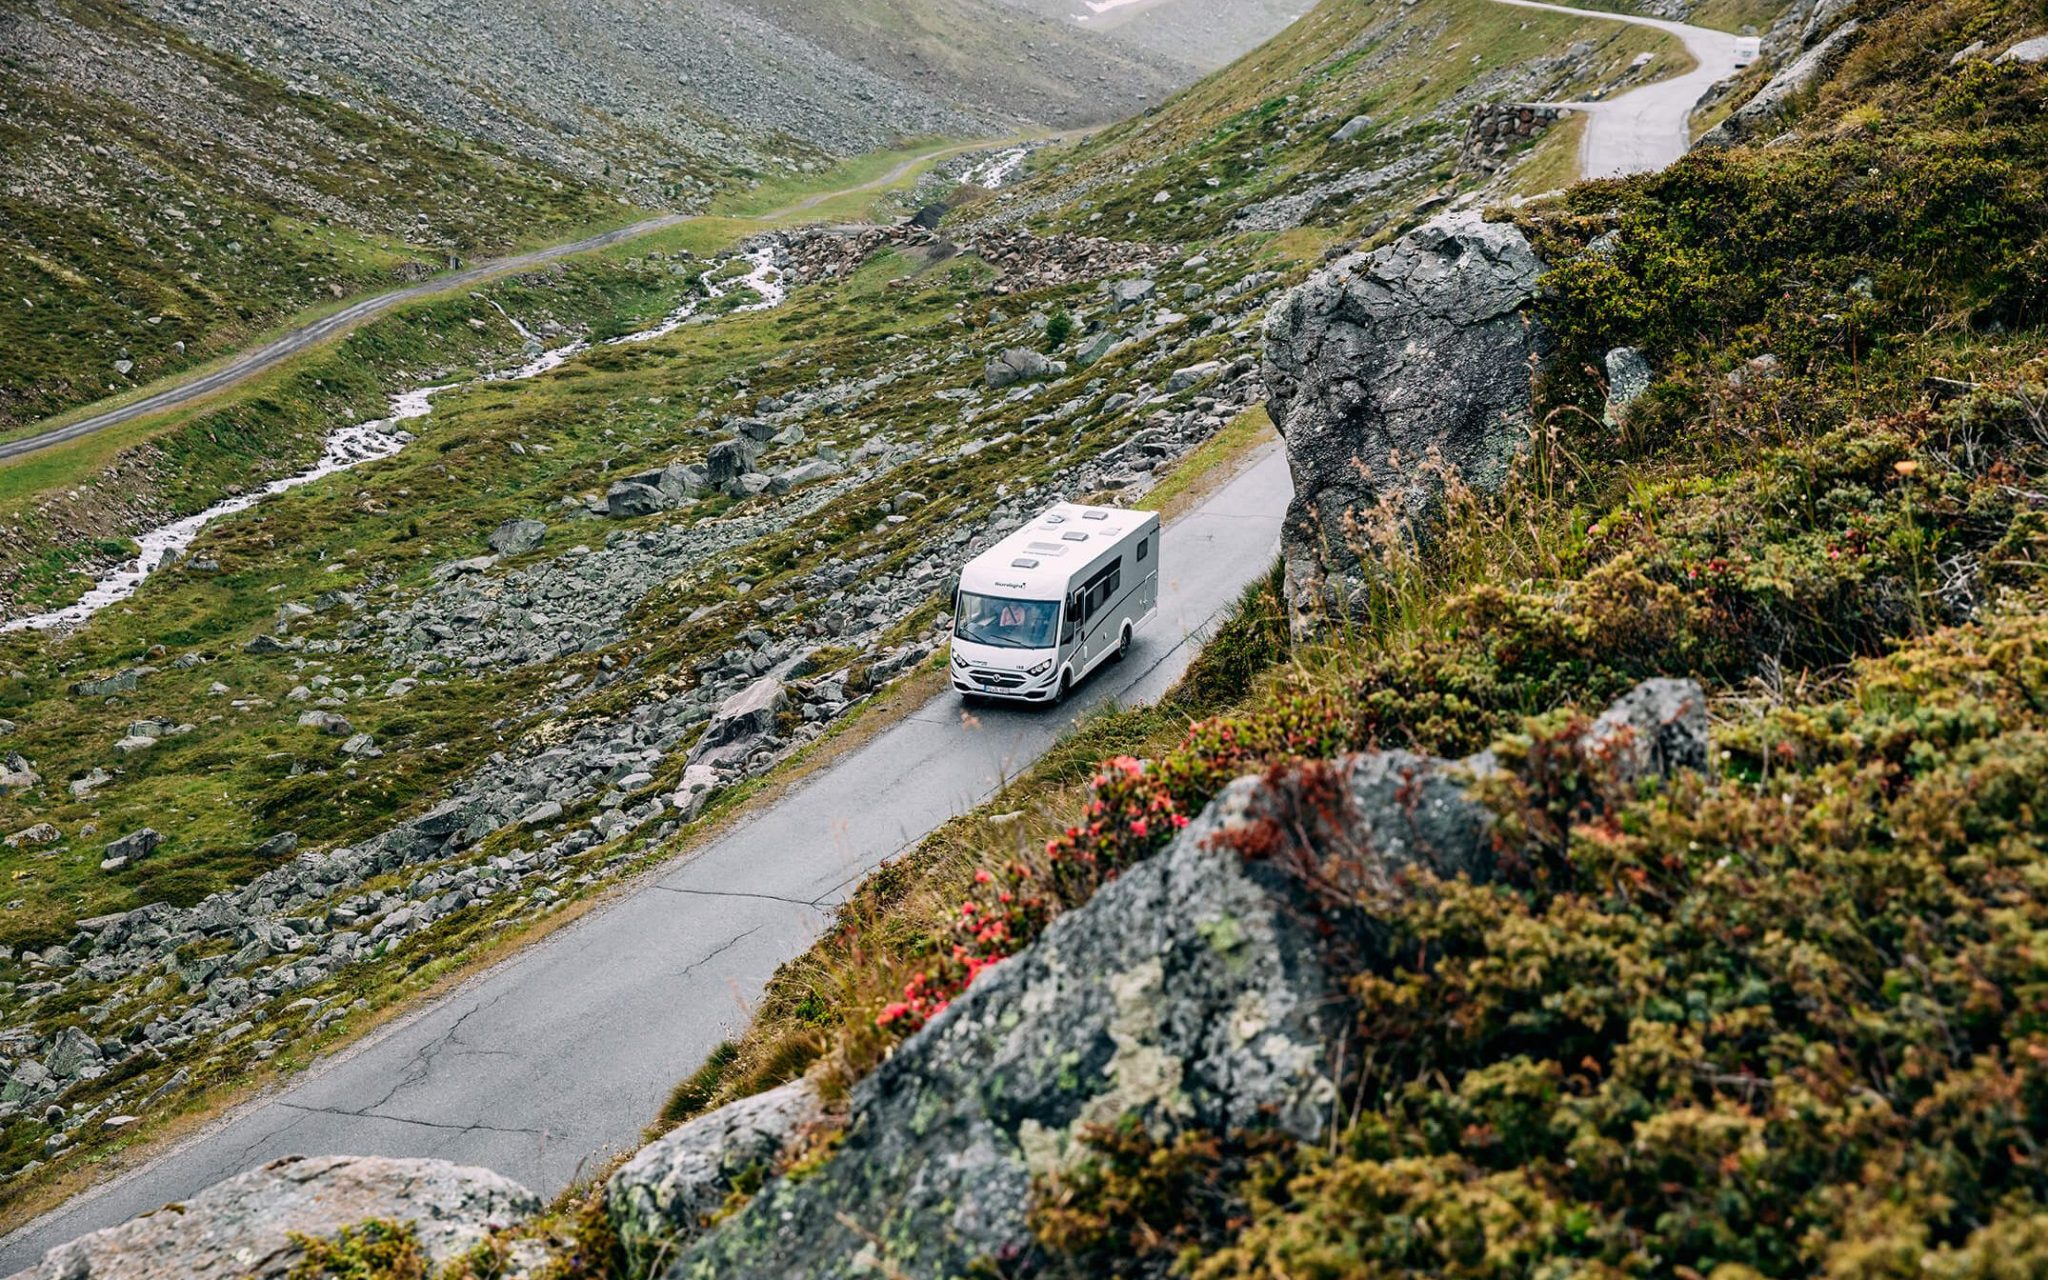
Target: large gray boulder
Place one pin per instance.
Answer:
(1019, 364)
(242, 1229)
(1423, 347)
(629, 499)
(668, 1192)
(729, 461)
(741, 721)
(517, 537)
(1191, 990)
(1195, 990)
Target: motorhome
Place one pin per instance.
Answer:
(1053, 601)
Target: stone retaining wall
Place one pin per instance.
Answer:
(1498, 128)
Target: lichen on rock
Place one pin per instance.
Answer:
(1388, 369)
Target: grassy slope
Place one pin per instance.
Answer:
(70, 507)
(1787, 1019)
(247, 770)
(171, 204)
(1264, 127)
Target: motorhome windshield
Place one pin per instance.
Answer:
(1006, 623)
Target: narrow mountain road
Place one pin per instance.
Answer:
(1646, 128)
(305, 337)
(549, 1063)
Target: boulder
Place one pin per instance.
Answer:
(668, 1192)
(326, 722)
(698, 782)
(1096, 347)
(1658, 728)
(1426, 346)
(1779, 100)
(804, 473)
(1019, 364)
(629, 499)
(1182, 379)
(1352, 128)
(728, 460)
(135, 845)
(517, 537)
(1127, 294)
(1196, 990)
(1628, 376)
(18, 773)
(679, 482)
(740, 720)
(243, 1229)
(2027, 51)
(120, 682)
(757, 430)
(1191, 990)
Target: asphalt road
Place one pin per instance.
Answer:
(557, 1058)
(295, 341)
(1646, 128)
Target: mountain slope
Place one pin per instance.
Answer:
(162, 203)
(632, 86)
(1202, 33)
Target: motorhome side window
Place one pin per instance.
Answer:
(1100, 590)
(1144, 548)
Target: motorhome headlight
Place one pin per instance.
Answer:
(1041, 668)
(959, 661)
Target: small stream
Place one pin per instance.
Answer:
(360, 442)
(993, 173)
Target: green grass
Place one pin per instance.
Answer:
(157, 236)
(1264, 127)
(1244, 433)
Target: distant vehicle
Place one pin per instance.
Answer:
(1053, 601)
(1748, 49)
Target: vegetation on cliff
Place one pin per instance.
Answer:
(1781, 1019)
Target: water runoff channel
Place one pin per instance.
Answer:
(353, 445)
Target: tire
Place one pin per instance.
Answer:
(1123, 643)
(1066, 687)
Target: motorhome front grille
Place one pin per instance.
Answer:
(996, 679)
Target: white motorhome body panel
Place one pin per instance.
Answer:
(1054, 600)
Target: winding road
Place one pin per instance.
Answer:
(545, 1065)
(295, 341)
(1648, 127)
(557, 1058)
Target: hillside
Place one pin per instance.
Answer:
(163, 203)
(1205, 34)
(181, 177)
(1608, 843)
(394, 716)
(635, 87)
(1665, 803)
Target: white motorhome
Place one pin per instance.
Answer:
(1053, 601)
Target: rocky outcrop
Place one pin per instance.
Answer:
(1019, 364)
(242, 1229)
(1189, 991)
(1778, 101)
(1384, 370)
(1657, 729)
(1200, 988)
(517, 537)
(669, 1191)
